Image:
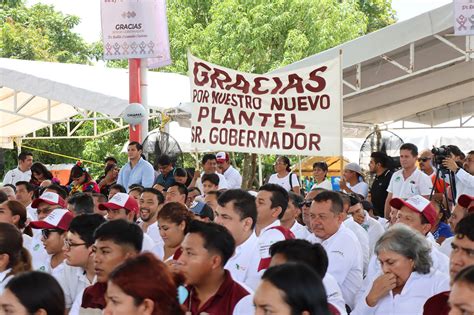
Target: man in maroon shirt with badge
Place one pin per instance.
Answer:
(211, 289)
(461, 257)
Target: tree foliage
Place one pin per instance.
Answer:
(41, 33)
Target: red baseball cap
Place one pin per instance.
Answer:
(465, 200)
(119, 201)
(418, 204)
(222, 157)
(57, 219)
(50, 198)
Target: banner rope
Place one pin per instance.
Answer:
(62, 155)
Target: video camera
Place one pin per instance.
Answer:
(440, 154)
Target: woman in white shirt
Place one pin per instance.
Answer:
(406, 280)
(14, 258)
(283, 175)
(320, 172)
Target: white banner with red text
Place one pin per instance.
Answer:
(296, 112)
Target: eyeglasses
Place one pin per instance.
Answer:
(68, 244)
(47, 232)
(306, 203)
(423, 159)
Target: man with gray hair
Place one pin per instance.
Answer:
(341, 244)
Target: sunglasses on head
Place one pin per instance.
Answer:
(423, 159)
(306, 203)
(47, 232)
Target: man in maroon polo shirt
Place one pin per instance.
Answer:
(211, 289)
(461, 257)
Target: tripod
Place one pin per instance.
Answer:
(442, 172)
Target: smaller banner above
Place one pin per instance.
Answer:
(296, 112)
(463, 17)
(135, 29)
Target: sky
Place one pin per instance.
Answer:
(89, 12)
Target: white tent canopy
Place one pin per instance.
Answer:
(414, 70)
(36, 94)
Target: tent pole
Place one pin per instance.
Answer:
(341, 104)
(144, 96)
(260, 172)
(134, 95)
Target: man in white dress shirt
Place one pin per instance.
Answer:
(22, 172)
(409, 181)
(232, 176)
(342, 246)
(237, 211)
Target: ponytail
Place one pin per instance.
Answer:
(22, 263)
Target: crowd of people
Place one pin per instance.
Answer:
(162, 240)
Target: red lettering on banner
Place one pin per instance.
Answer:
(278, 86)
(294, 82)
(200, 96)
(214, 120)
(300, 103)
(264, 139)
(247, 117)
(203, 113)
(240, 79)
(196, 132)
(294, 125)
(313, 76)
(256, 89)
(219, 77)
(279, 121)
(229, 117)
(265, 117)
(203, 73)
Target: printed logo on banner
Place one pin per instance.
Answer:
(296, 112)
(463, 17)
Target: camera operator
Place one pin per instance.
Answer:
(464, 177)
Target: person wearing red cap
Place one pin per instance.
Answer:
(44, 205)
(124, 207)
(232, 176)
(408, 181)
(462, 256)
(53, 231)
(464, 206)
